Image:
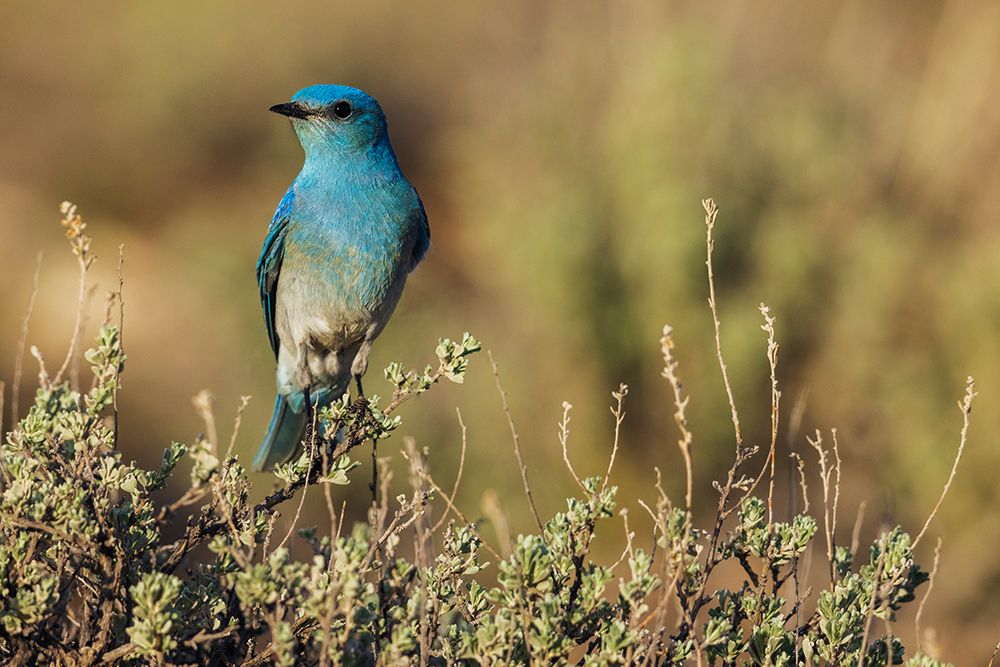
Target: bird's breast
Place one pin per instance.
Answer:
(340, 271)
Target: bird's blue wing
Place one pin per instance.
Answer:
(423, 241)
(269, 264)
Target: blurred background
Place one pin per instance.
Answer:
(562, 150)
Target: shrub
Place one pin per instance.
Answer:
(88, 574)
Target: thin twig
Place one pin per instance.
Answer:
(649, 511)
(772, 361)
(871, 610)
(80, 244)
(74, 366)
(825, 474)
(301, 628)
(22, 341)
(378, 513)
(236, 426)
(856, 532)
(564, 442)
(489, 504)
(629, 535)
(415, 507)
(340, 521)
(121, 330)
(302, 499)
(458, 475)
(801, 464)
(454, 508)
(204, 404)
(451, 507)
(517, 443)
(711, 212)
(768, 466)
(204, 637)
(118, 653)
(680, 411)
(619, 415)
(930, 587)
(66, 540)
(836, 483)
(419, 477)
(965, 405)
(44, 379)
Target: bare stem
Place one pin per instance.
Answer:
(858, 521)
(302, 498)
(801, 464)
(236, 426)
(825, 475)
(930, 587)
(772, 362)
(564, 441)
(619, 415)
(680, 411)
(965, 405)
(772, 358)
(458, 475)
(711, 212)
(517, 442)
(80, 244)
(119, 294)
(22, 341)
(204, 404)
(871, 610)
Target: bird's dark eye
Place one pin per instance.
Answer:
(342, 109)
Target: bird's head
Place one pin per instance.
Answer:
(334, 118)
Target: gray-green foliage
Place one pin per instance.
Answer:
(86, 572)
(100, 559)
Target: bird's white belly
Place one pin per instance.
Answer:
(325, 337)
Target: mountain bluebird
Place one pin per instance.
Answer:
(337, 253)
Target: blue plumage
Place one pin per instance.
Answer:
(269, 264)
(336, 255)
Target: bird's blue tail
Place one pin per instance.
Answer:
(283, 437)
(287, 427)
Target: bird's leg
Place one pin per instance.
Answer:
(305, 381)
(360, 364)
(358, 368)
(310, 431)
(374, 483)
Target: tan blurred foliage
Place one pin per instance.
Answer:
(562, 149)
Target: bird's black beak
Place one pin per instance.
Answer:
(292, 110)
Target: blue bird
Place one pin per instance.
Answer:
(336, 256)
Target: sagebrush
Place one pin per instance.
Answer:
(88, 575)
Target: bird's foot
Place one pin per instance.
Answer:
(310, 431)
